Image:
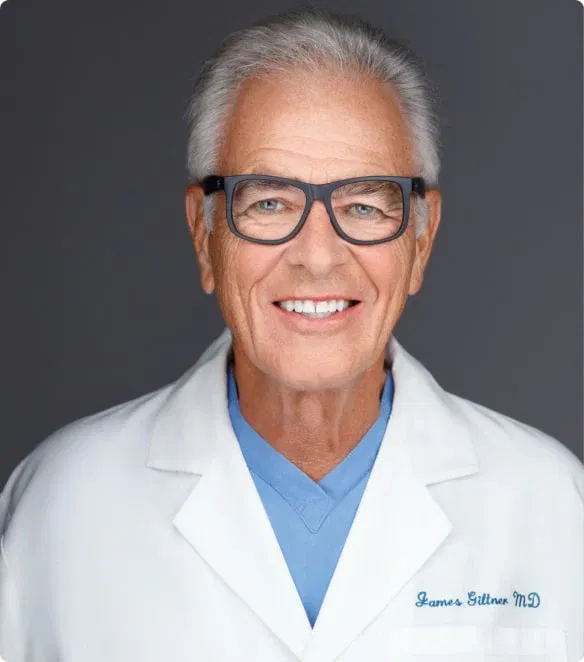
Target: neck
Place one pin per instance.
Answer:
(315, 430)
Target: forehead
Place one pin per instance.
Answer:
(317, 126)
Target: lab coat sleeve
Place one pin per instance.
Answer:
(9, 626)
(11, 641)
(576, 637)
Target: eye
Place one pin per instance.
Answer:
(363, 210)
(270, 204)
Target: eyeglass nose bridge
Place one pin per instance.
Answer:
(323, 193)
(319, 192)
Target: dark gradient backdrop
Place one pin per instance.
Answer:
(100, 294)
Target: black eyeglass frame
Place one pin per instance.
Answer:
(408, 185)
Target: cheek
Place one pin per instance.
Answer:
(225, 255)
(240, 269)
(391, 270)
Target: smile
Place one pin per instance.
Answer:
(322, 311)
(316, 309)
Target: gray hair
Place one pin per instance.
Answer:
(310, 38)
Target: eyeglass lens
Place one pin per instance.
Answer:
(366, 211)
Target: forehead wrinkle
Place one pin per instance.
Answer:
(306, 139)
(314, 148)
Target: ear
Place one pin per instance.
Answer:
(200, 236)
(425, 241)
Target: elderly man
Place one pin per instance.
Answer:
(306, 491)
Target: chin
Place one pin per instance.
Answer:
(315, 375)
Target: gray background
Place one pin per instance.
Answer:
(100, 294)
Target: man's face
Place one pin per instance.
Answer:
(315, 128)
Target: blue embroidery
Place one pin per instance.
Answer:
(423, 601)
(532, 601)
(474, 599)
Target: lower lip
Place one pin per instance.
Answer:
(317, 323)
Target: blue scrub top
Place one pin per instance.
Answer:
(311, 520)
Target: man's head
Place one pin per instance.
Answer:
(314, 98)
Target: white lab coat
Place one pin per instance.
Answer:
(137, 535)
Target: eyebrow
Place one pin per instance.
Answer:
(264, 184)
(365, 187)
(349, 189)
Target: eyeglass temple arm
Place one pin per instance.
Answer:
(212, 183)
(419, 186)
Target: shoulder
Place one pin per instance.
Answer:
(87, 452)
(524, 450)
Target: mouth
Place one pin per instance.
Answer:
(317, 309)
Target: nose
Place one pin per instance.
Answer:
(317, 246)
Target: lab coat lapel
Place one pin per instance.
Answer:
(223, 518)
(398, 525)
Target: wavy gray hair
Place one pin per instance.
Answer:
(310, 38)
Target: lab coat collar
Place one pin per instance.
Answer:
(441, 449)
(396, 530)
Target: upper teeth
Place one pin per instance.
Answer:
(309, 306)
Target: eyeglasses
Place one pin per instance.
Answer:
(272, 210)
